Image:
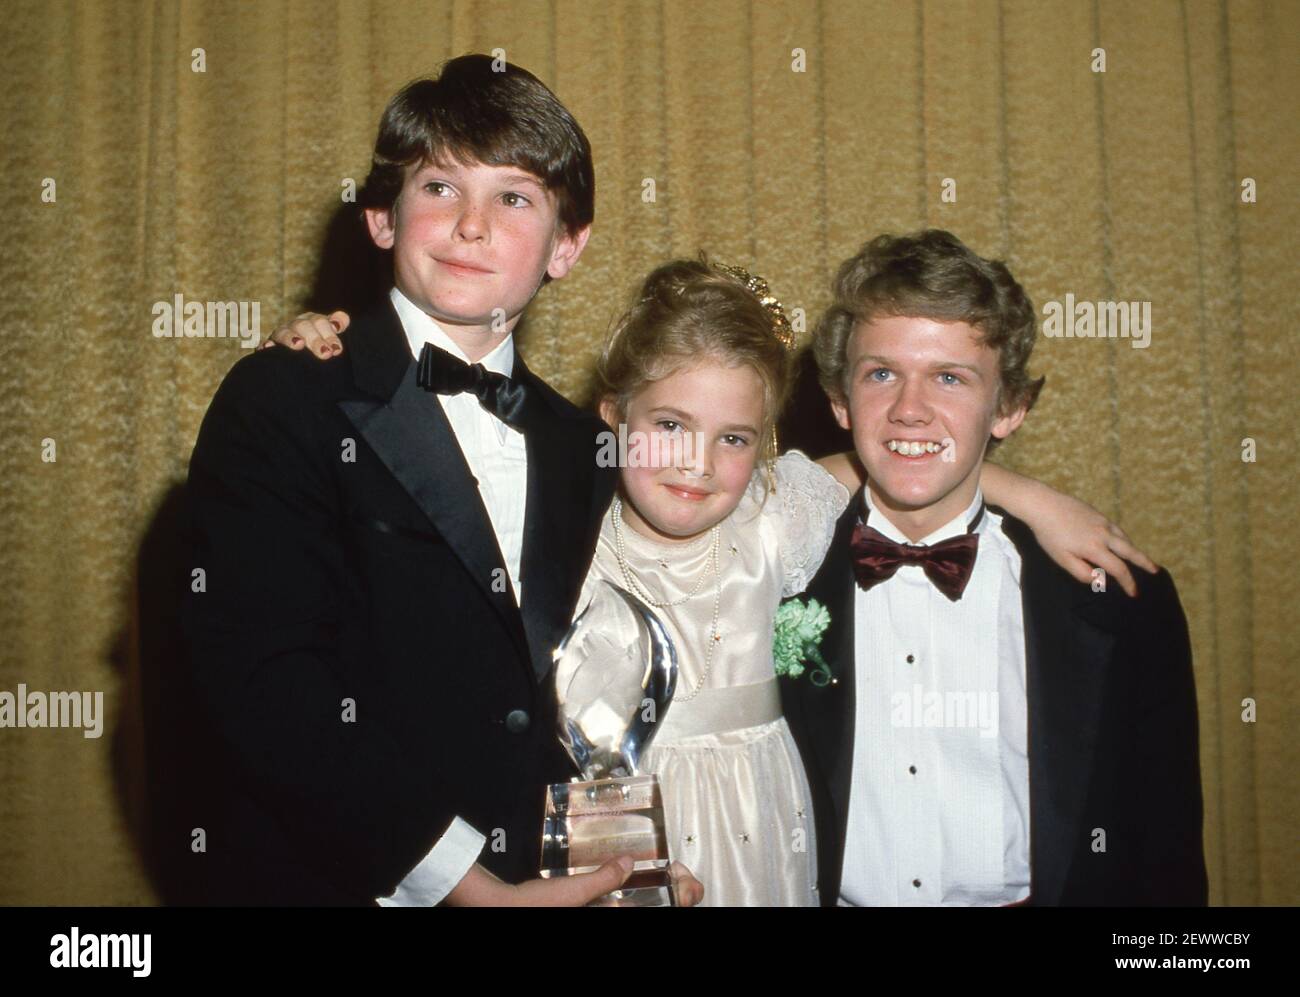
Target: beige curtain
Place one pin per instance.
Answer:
(779, 136)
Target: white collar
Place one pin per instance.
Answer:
(877, 519)
(421, 329)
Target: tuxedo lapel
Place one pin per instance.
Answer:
(1067, 656)
(559, 490)
(836, 590)
(827, 711)
(409, 431)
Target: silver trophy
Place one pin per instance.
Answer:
(615, 672)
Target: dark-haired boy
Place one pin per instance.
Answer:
(998, 733)
(425, 512)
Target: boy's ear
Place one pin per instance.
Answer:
(568, 247)
(1008, 423)
(840, 409)
(380, 223)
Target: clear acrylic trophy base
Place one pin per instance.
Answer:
(588, 823)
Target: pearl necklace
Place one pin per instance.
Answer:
(620, 550)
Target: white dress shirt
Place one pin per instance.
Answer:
(496, 453)
(939, 797)
(498, 459)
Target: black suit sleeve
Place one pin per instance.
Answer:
(1168, 757)
(264, 639)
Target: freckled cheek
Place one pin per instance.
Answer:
(524, 239)
(413, 237)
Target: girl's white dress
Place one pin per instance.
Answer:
(736, 799)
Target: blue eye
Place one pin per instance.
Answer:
(669, 425)
(871, 375)
(955, 378)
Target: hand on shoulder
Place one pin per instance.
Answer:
(312, 331)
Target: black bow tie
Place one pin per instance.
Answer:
(504, 397)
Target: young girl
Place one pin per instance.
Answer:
(713, 539)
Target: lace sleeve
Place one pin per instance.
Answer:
(807, 503)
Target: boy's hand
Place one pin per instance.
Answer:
(312, 331)
(481, 888)
(847, 468)
(690, 891)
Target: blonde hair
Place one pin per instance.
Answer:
(688, 311)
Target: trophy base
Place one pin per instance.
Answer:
(588, 823)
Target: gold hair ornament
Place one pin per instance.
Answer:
(781, 328)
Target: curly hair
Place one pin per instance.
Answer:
(931, 274)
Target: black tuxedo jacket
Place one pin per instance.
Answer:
(1112, 733)
(355, 643)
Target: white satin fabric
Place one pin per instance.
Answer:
(736, 798)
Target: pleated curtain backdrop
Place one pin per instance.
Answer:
(776, 135)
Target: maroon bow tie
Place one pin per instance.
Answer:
(948, 563)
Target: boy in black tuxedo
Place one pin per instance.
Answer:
(425, 511)
(997, 733)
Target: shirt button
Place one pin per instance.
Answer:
(916, 883)
(912, 769)
(911, 659)
(516, 721)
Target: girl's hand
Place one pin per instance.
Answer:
(312, 331)
(1074, 534)
(1079, 539)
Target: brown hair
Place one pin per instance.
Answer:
(931, 274)
(687, 311)
(478, 110)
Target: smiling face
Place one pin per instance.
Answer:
(468, 239)
(922, 403)
(708, 415)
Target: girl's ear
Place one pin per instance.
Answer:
(608, 409)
